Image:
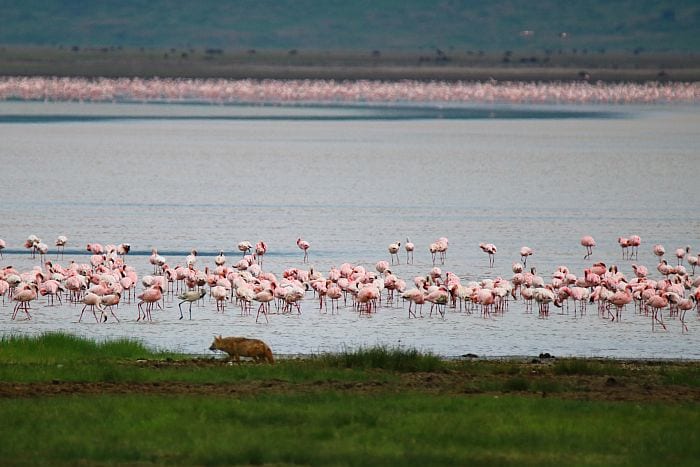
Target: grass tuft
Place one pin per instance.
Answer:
(385, 358)
(56, 347)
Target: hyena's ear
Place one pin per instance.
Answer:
(220, 337)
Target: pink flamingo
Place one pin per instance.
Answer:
(394, 251)
(415, 297)
(334, 292)
(95, 248)
(260, 250)
(23, 298)
(52, 288)
(438, 298)
(683, 306)
(524, 253)
(409, 246)
(588, 242)
(61, 244)
(659, 251)
(244, 247)
(693, 261)
(680, 254)
(620, 299)
(123, 249)
(634, 242)
(4, 288)
(657, 303)
(624, 244)
(110, 301)
(31, 242)
(490, 249)
(91, 300)
(149, 297)
(304, 245)
(220, 295)
(264, 298)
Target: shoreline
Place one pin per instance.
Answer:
(335, 65)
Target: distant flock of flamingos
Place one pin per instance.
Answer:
(314, 91)
(107, 281)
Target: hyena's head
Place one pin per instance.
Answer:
(216, 345)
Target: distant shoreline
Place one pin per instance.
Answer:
(172, 63)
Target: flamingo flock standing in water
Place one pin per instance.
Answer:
(249, 90)
(100, 285)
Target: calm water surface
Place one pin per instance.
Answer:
(351, 181)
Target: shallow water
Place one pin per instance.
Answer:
(351, 184)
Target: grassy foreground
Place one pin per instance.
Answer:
(66, 400)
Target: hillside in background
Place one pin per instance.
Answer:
(394, 39)
(391, 25)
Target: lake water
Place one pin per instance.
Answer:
(351, 180)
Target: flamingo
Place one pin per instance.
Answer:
(624, 244)
(264, 298)
(524, 253)
(110, 301)
(244, 247)
(260, 250)
(31, 242)
(438, 297)
(409, 246)
(334, 292)
(95, 248)
(304, 245)
(490, 249)
(659, 251)
(220, 260)
(91, 300)
(191, 259)
(657, 303)
(23, 298)
(588, 242)
(394, 251)
(680, 254)
(693, 261)
(634, 242)
(442, 244)
(544, 297)
(61, 244)
(620, 299)
(149, 297)
(415, 297)
(52, 288)
(683, 306)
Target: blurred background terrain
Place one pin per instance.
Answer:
(393, 39)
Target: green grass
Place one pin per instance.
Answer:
(56, 347)
(340, 429)
(499, 413)
(384, 358)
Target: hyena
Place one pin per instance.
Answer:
(238, 347)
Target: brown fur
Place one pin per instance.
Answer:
(238, 347)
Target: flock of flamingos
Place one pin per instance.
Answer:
(107, 282)
(227, 91)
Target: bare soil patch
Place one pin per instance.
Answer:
(530, 379)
